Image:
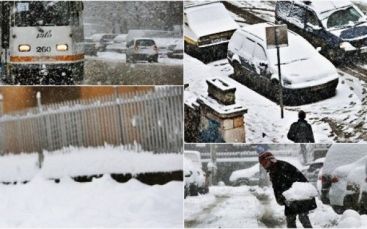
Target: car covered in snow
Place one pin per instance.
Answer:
(141, 49)
(195, 177)
(307, 76)
(249, 176)
(338, 164)
(208, 26)
(338, 27)
(350, 179)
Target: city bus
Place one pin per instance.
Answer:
(42, 42)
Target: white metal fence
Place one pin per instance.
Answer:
(152, 120)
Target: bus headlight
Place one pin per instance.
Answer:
(24, 48)
(62, 47)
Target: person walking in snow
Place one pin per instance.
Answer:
(301, 131)
(282, 176)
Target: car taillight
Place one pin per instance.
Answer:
(334, 179)
(155, 48)
(136, 48)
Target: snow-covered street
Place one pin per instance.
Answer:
(255, 207)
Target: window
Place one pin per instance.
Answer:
(247, 48)
(311, 18)
(297, 15)
(343, 17)
(259, 53)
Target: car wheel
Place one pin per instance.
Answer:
(237, 69)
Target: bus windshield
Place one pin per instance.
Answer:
(41, 13)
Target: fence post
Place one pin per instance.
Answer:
(40, 150)
(119, 113)
(1, 105)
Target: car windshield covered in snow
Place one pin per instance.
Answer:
(41, 13)
(345, 18)
(298, 49)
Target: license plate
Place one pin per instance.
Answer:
(317, 88)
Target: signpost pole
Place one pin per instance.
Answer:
(280, 75)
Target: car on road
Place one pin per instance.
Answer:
(141, 49)
(118, 45)
(90, 48)
(195, 177)
(339, 28)
(249, 176)
(208, 26)
(307, 76)
(176, 50)
(335, 171)
(102, 40)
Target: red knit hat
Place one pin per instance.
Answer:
(266, 156)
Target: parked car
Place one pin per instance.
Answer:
(206, 38)
(249, 176)
(307, 76)
(118, 45)
(195, 177)
(141, 49)
(338, 155)
(338, 27)
(90, 48)
(102, 40)
(312, 170)
(357, 187)
(345, 191)
(176, 50)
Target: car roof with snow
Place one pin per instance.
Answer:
(201, 21)
(342, 154)
(325, 5)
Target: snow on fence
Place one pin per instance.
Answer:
(152, 120)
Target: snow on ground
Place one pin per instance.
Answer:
(252, 207)
(101, 203)
(121, 58)
(341, 109)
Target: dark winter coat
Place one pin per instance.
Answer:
(282, 176)
(301, 132)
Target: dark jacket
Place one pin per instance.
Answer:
(301, 132)
(282, 176)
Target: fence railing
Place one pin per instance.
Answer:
(152, 120)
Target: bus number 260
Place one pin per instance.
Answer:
(43, 49)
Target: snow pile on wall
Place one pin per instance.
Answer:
(19, 167)
(74, 161)
(300, 191)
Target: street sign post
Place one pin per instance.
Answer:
(277, 37)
